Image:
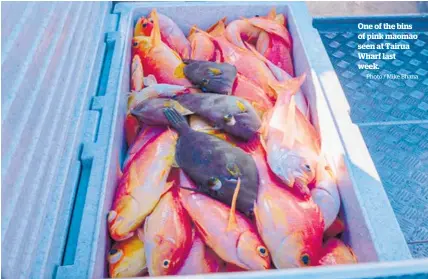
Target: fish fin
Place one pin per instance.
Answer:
(291, 86)
(179, 71)
(177, 121)
(217, 28)
(280, 18)
(192, 30)
(150, 80)
(256, 214)
(232, 223)
(215, 71)
(156, 34)
(272, 14)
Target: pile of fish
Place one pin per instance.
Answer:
(225, 171)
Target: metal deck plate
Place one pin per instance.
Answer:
(392, 116)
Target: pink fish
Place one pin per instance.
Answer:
(231, 236)
(171, 34)
(201, 259)
(157, 58)
(292, 143)
(167, 236)
(137, 196)
(291, 227)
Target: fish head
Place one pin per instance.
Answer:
(167, 258)
(336, 252)
(141, 45)
(143, 27)
(242, 120)
(292, 166)
(127, 258)
(294, 251)
(252, 252)
(122, 221)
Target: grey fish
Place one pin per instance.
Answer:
(215, 165)
(232, 114)
(211, 76)
(150, 111)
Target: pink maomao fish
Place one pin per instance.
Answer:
(336, 252)
(136, 196)
(291, 142)
(171, 34)
(157, 58)
(231, 236)
(246, 63)
(282, 76)
(201, 259)
(167, 236)
(291, 227)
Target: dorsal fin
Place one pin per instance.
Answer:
(272, 14)
(156, 34)
(218, 28)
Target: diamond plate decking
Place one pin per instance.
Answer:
(393, 118)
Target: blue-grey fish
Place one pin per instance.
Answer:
(214, 165)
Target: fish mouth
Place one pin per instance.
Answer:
(282, 247)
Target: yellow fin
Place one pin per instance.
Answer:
(232, 215)
(241, 106)
(179, 71)
(215, 71)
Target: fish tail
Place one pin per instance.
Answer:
(177, 121)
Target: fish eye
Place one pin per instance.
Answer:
(134, 44)
(204, 81)
(262, 251)
(165, 263)
(114, 255)
(307, 167)
(257, 15)
(144, 24)
(151, 20)
(229, 119)
(305, 259)
(214, 183)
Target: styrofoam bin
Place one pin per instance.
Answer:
(372, 230)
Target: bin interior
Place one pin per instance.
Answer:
(357, 234)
